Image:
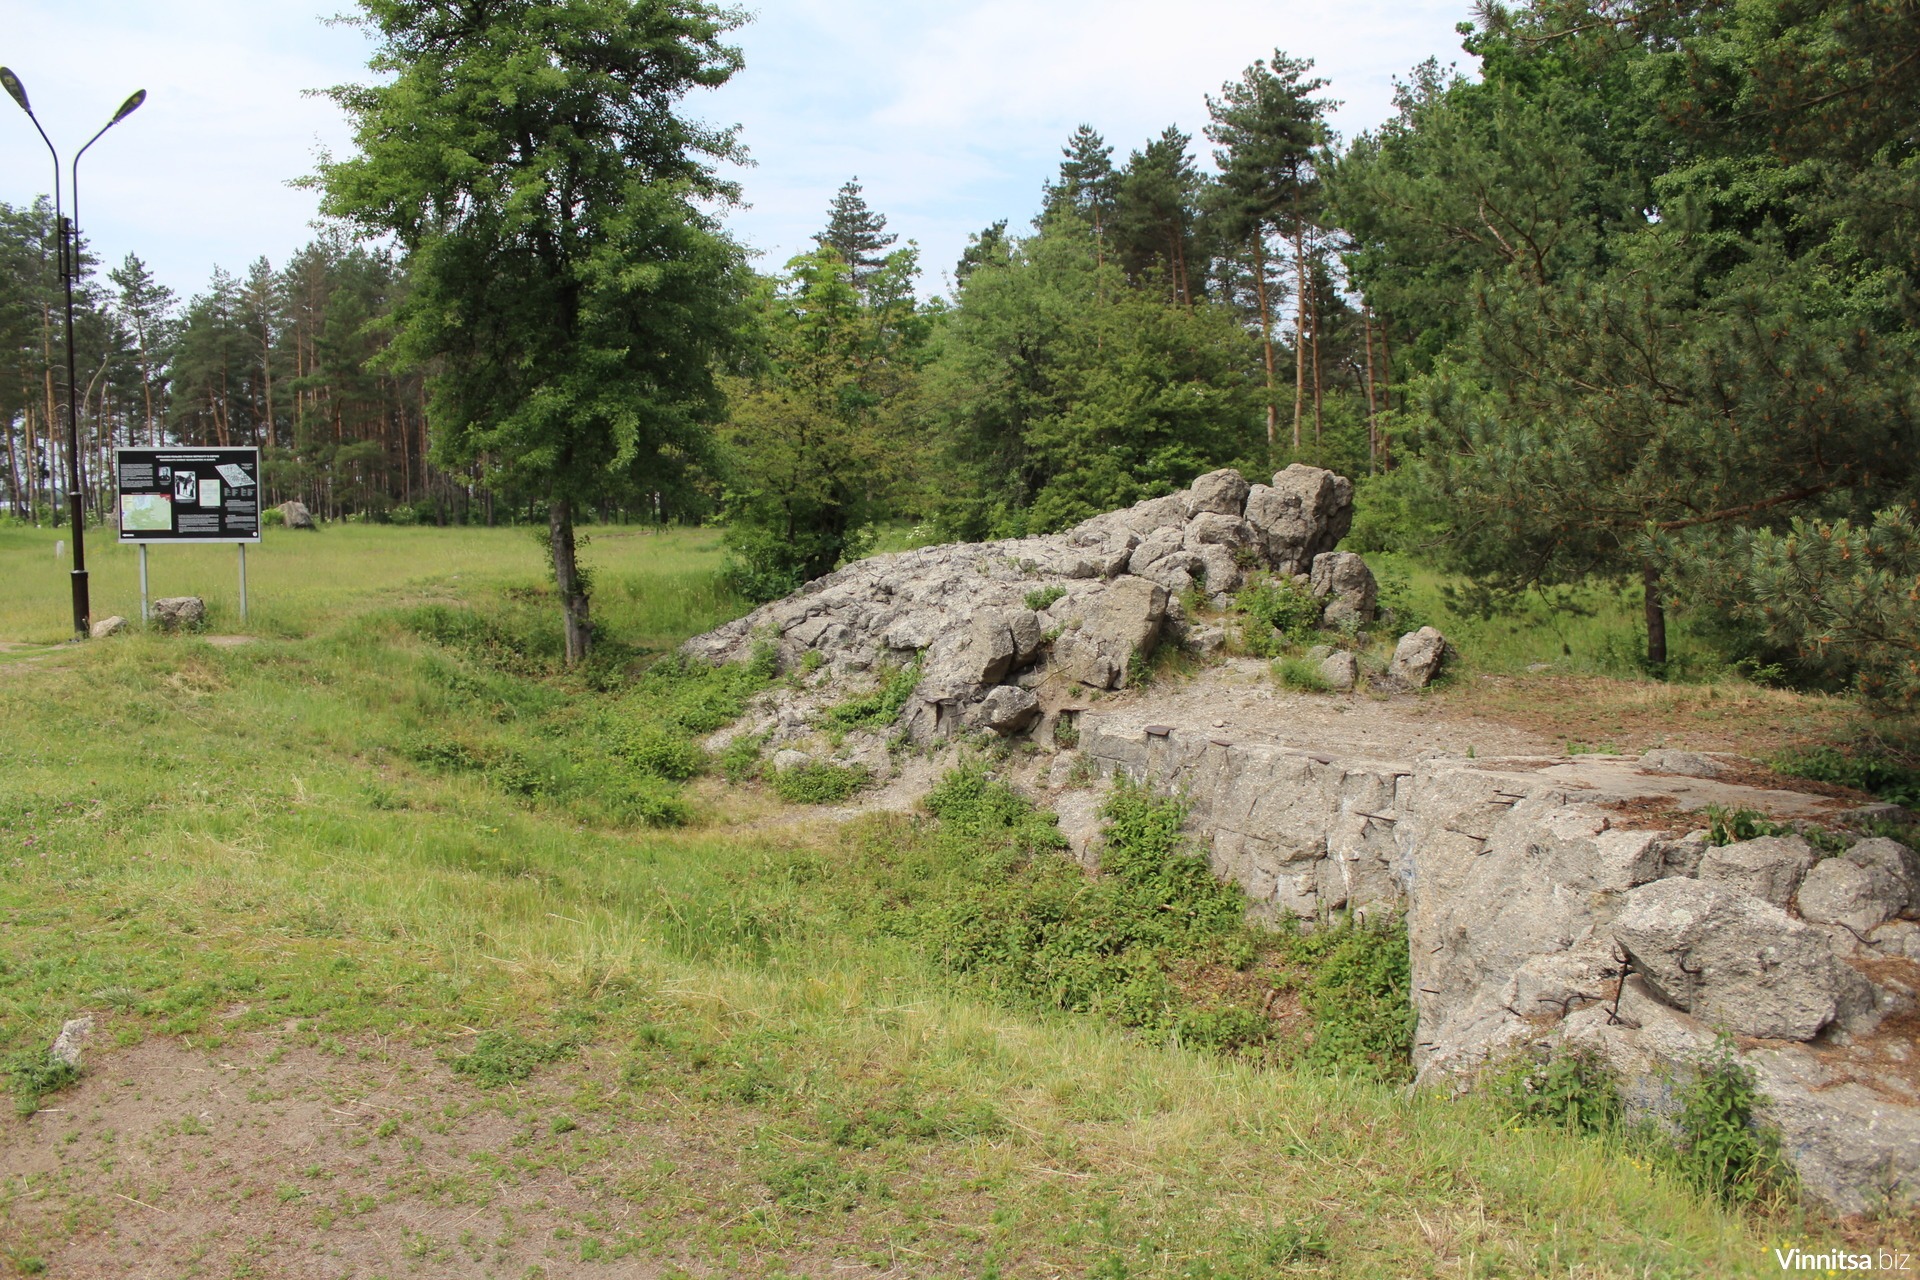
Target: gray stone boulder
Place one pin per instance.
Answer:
(1219, 493)
(71, 1042)
(1343, 580)
(1862, 889)
(1341, 671)
(1686, 764)
(1899, 860)
(1008, 710)
(1734, 961)
(1417, 658)
(109, 626)
(968, 610)
(1768, 868)
(179, 613)
(1304, 512)
(1121, 623)
(296, 515)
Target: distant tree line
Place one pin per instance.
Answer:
(1637, 302)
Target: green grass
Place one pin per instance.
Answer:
(209, 843)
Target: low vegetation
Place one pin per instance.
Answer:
(931, 1033)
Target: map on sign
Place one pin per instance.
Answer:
(189, 495)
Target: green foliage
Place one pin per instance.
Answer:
(1043, 598)
(565, 286)
(1730, 826)
(815, 438)
(1723, 1149)
(819, 783)
(1302, 675)
(1034, 927)
(1877, 773)
(1841, 595)
(740, 760)
(34, 1073)
(507, 1057)
(879, 708)
(1278, 612)
(1360, 993)
(1569, 1089)
(663, 754)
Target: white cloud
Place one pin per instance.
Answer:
(952, 114)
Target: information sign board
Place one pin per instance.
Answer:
(189, 495)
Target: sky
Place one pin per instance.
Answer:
(950, 113)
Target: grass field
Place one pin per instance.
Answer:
(691, 1048)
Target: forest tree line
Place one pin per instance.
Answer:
(1636, 301)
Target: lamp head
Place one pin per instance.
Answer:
(15, 90)
(130, 106)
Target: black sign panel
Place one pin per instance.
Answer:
(189, 495)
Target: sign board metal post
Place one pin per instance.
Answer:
(188, 495)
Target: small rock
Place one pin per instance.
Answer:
(1206, 641)
(1060, 773)
(111, 626)
(1899, 860)
(1223, 492)
(1686, 764)
(1841, 892)
(1319, 653)
(1343, 580)
(174, 613)
(296, 515)
(1417, 658)
(1341, 671)
(1008, 710)
(788, 758)
(1769, 868)
(73, 1035)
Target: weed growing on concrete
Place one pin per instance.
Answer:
(1300, 675)
(1568, 1089)
(1359, 989)
(881, 707)
(1277, 612)
(1723, 1149)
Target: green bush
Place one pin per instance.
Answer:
(34, 1073)
(506, 1057)
(1730, 826)
(881, 707)
(1360, 993)
(1300, 675)
(1570, 1089)
(1277, 612)
(1723, 1150)
(740, 761)
(819, 783)
(1044, 597)
(655, 751)
(1875, 773)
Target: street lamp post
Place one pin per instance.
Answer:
(69, 232)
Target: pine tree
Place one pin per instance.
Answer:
(857, 233)
(146, 308)
(1266, 126)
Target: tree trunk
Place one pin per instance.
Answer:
(1315, 318)
(566, 576)
(1373, 414)
(1656, 617)
(1266, 332)
(1299, 330)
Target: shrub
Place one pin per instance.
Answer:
(1730, 826)
(819, 783)
(1278, 611)
(740, 761)
(34, 1073)
(506, 1057)
(1043, 598)
(881, 707)
(1300, 675)
(1571, 1089)
(1360, 993)
(1877, 774)
(1722, 1149)
(654, 751)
